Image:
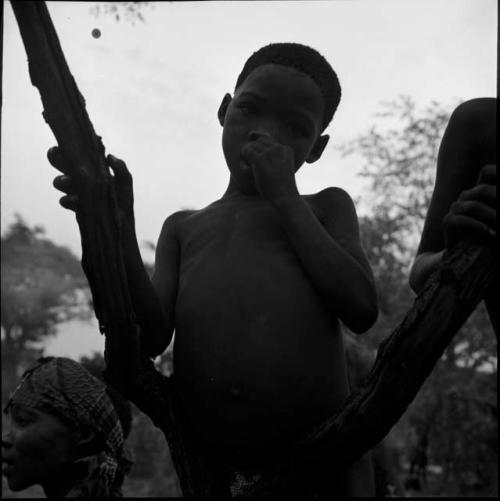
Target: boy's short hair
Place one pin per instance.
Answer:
(302, 58)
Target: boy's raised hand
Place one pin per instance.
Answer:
(273, 167)
(473, 215)
(122, 181)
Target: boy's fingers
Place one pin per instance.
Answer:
(252, 151)
(119, 168)
(478, 211)
(69, 202)
(64, 183)
(56, 159)
(488, 174)
(466, 228)
(486, 193)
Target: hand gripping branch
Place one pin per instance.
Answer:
(64, 111)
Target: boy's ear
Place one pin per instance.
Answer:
(317, 149)
(221, 114)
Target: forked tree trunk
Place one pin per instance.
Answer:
(97, 217)
(404, 360)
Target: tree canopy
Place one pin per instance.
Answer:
(452, 421)
(42, 285)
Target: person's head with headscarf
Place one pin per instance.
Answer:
(66, 432)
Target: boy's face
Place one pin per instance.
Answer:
(276, 101)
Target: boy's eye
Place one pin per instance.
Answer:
(298, 129)
(247, 108)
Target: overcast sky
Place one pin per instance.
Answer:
(152, 91)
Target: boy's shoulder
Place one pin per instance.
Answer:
(331, 203)
(172, 223)
(178, 218)
(330, 199)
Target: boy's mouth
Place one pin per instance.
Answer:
(7, 466)
(244, 163)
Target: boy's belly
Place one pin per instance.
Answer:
(258, 360)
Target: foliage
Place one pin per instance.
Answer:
(130, 11)
(42, 284)
(399, 158)
(447, 438)
(452, 425)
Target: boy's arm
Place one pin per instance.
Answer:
(153, 317)
(166, 275)
(154, 298)
(331, 254)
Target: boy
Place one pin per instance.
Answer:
(463, 204)
(256, 282)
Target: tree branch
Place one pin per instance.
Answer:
(64, 111)
(102, 260)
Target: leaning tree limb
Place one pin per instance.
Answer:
(65, 113)
(404, 360)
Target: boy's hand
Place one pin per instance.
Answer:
(273, 167)
(122, 181)
(473, 215)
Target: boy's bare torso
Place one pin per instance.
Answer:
(255, 284)
(258, 358)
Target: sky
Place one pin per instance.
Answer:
(152, 91)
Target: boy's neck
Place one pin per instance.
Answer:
(234, 190)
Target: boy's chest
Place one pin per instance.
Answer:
(251, 227)
(246, 229)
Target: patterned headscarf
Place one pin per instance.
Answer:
(64, 388)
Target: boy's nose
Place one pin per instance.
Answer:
(256, 134)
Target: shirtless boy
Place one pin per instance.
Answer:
(463, 204)
(256, 283)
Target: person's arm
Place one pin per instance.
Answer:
(331, 253)
(153, 298)
(463, 201)
(153, 306)
(165, 281)
(332, 256)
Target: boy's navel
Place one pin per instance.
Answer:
(235, 393)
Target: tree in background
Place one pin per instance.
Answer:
(42, 285)
(447, 438)
(130, 11)
(398, 157)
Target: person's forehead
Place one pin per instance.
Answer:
(44, 415)
(285, 84)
